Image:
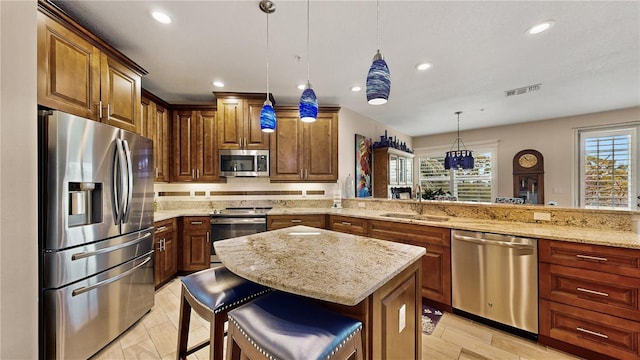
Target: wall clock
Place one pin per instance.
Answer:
(528, 176)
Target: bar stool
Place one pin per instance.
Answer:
(285, 326)
(212, 293)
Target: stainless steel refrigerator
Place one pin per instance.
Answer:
(95, 233)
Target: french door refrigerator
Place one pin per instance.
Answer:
(95, 233)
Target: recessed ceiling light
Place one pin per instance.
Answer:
(423, 66)
(538, 28)
(161, 17)
(302, 86)
(218, 84)
(356, 88)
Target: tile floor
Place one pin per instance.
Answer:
(155, 337)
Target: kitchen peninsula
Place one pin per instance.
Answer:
(378, 282)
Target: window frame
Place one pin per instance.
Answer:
(633, 130)
(491, 146)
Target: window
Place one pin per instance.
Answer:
(608, 168)
(475, 184)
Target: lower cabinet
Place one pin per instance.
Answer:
(436, 263)
(275, 222)
(196, 244)
(165, 263)
(590, 299)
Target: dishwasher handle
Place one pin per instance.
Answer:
(527, 245)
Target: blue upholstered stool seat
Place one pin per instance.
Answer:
(211, 293)
(284, 326)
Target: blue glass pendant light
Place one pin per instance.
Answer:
(379, 78)
(308, 106)
(267, 114)
(459, 159)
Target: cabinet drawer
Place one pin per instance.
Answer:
(598, 332)
(196, 223)
(607, 293)
(164, 227)
(403, 232)
(282, 221)
(592, 257)
(347, 224)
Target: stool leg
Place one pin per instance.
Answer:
(183, 327)
(216, 352)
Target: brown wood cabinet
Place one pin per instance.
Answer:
(282, 221)
(239, 121)
(196, 243)
(436, 263)
(80, 74)
(391, 167)
(195, 154)
(589, 299)
(165, 263)
(348, 224)
(304, 151)
(155, 126)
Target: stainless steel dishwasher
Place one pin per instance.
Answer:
(495, 277)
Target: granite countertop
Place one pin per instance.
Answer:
(625, 239)
(321, 264)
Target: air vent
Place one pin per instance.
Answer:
(522, 90)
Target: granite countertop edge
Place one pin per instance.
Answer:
(623, 239)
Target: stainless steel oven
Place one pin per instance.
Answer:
(234, 222)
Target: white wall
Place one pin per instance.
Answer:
(554, 138)
(349, 124)
(18, 181)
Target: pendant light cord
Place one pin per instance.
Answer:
(308, 59)
(378, 24)
(267, 56)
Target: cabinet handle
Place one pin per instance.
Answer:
(193, 173)
(296, 221)
(100, 110)
(108, 111)
(301, 174)
(587, 257)
(346, 223)
(207, 237)
(161, 229)
(592, 332)
(197, 173)
(156, 172)
(306, 173)
(196, 223)
(592, 291)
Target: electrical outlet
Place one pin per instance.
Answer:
(545, 216)
(361, 205)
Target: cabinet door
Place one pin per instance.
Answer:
(196, 246)
(286, 148)
(68, 70)
(183, 146)
(207, 154)
(255, 138)
(321, 148)
(230, 123)
(161, 143)
(170, 257)
(120, 90)
(393, 169)
(147, 110)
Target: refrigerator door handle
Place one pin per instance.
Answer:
(83, 255)
(129, 178)
(118, 182)
(84, 289)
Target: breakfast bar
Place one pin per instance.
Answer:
(375, 281)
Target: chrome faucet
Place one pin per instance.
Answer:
(418, 191)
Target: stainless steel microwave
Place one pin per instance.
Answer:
(250, 163)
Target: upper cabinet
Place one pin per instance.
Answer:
(391, 167)
(155, 126)
(239, 121)
(80, 74)
(302, 151)
(195, 157)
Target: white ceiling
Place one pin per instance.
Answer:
(588, 62)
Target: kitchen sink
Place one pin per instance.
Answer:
(415, 217)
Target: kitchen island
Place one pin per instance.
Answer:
(378, 282)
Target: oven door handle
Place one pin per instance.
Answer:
(232, 221)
